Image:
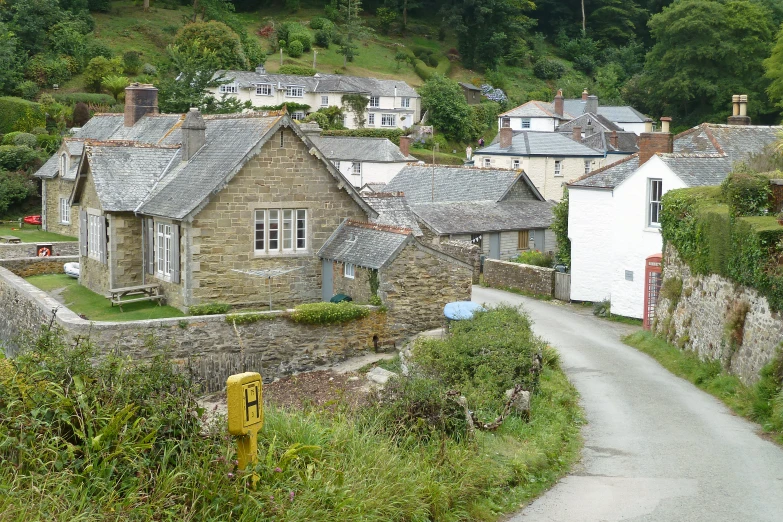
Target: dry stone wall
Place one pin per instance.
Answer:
(695, 318)
(526, 278)
(464, 251)
(30, 266)
(19, 250)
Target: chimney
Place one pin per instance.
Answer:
(651, 143)
(505, 137)
(648, 125)
(584, 95)
(559, 102)
(405, 145)
(140, 99)
(740, 110)
(194, 134)
(260, 69)
(591, 105)
(613, 139)
(310, 128)
(576, 134)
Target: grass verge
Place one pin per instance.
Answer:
(762, 402)
(97, 307)
(30, 234)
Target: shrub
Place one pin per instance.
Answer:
(89, 98)
(295, 49)
(392, 135)
(328, 313)
(98, 68)
(304, 37)
(602, 308)
(149, 69)
(81, 114)
(209, 309)
(747, 193)
(115, 84)
(95, 48)
(131, 61)
(20, 139)
(17, 114)
(292, 5)
(323, 39)
(28, 90)
(535, 258)
(320, 22)
(249, 318)
(546, 69)
(15, 187)
(14, 157)
(298, 70)
(47, 70)
(48, 143)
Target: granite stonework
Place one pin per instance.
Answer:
(526, 278)
(30, 266)
(53, 191)
(465, 251)
(696, 321)
(93, 273)
(207, 345)
(125, 253)
(358, 287)
(60, 248)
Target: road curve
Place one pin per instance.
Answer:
(656, 448)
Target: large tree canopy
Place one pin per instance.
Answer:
(213, 41)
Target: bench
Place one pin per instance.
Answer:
(10, 239)
(148, 292)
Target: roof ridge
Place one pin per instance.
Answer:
(252, 114)
(128, 143)
(381, 228)
(396, 194)
(604, 168)
(712, 138)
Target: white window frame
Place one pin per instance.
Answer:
(228, 88)
(65, 211)
(336, 164)
(324, 100)
(386, 118)
(558, 168)
(264, 89)
(405, 102)
(588, 166)
(163, 250)
(280, 231)
(487, 162)
(93, 236)
(356, 168)
(654, 194)
(515, 164)
(298, 115)
(371, 119)
(525, 123)
(375, 101)
(294, 91)
(349, 271)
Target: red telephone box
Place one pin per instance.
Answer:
(652, 286)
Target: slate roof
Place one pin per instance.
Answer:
(539, 143)
(440, 183)
(626, 142)
(573, 108)
(609, 176)
(469, 86)
(736, 141)
(589, 119)
(365, 244)
(321, 83)
(484, 216)
(699, 169)
(374, 187)
(532, 109)
(393, 210)
(347, 148)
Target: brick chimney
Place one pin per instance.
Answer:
(591, 104)
(140, 99)
(739, 110)
(505, 137)
(651, 143)
(559, 102)
(576, 134)
(194, 134)
(405, 145)
(613, 139)
(584, 95)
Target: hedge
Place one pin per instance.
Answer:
(713, 240)
(425, 72)
(328, 313)
(392, 135)
(72, 98)
(17, 114)
(209, 309)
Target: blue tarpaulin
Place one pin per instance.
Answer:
(459, 310)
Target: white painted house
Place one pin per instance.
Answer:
(393, 103)
(614, 212)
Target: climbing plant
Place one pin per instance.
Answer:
(357, 104)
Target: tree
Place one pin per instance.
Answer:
(98, 68)
(351, 27)
(560, 228)
(31, 21)
(447, 108)
(81, 114)
(215, 39)
(704, 52)
(10, 60)
(115, 84)
(774, 71)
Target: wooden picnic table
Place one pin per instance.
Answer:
(149, 292)
(10, 239)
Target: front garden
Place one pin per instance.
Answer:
(30, 233)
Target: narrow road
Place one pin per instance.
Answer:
(657, 449)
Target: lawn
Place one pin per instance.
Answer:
(31, 234)
(441, 158)
(96, 307)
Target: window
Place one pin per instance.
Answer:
(94, 231)
(264, 90)
(476, 239)
(163, 249)
(587, 166)
(487, 162)
(371, 119)
(324, 101)
(388, 120)
(525, 123)
(349, 270)
(405, 103)
(280, 230)
(505, 122)
(229, 88)
(337, 164)
(629, 275)
(65, 211)
(515, 164)
(558, 168)
(523, 240)
(375, 101)
(655, 191)
(356, 168)
(294, 92)
(298, 115)
(63, 164)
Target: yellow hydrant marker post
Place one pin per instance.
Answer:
(245, 415)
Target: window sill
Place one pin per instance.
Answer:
(652, 229)
(262, 255)
(161, 277)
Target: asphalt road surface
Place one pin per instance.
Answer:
(656, 448)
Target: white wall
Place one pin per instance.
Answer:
(590, 225)
(536, 124)
(371, 172)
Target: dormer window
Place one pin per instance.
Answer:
(63, 164)
(293, 91)
(228, 88)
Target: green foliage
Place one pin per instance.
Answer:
(328, 313)
(11, 59)
(248, 318)
(320, 22)
(115, 84)
(734, 327)
(15, 187)
(547, 69)
(209, 309)
(386, 18)
(302, 36)
(13, 157)
(297, 70)
(351, 28)
(671, 289)
(131, 61)
(20, 138)
(357, 104)
(89, 98)
(392, 135)
(295, 49)
(17, 114)
(535, 258)
(28, 90)
(327, 118)
(602, 308)
(49, 69)
(448, 110)
(48, 143)
(560, 228)
(81, 114)
(211, 43)
(747, 193)
(99, 68)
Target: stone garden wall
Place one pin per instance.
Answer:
(701, 313)
(464, 251)
(15, 251)
(526, 278)
(29, 266)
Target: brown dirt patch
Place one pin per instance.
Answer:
(323, 389)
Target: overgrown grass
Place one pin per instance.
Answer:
(31, 234)
(441, 158)
(762, 402)
(97, 307)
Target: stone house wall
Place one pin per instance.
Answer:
(696, 320)
(125, 250)
(92, 273)
(222, 233)
(527, 278)
(464, 251)
(358, 287)
(20, 250)
(53, 190)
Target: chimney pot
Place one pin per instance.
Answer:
(743, 105)
(584, 95)
(576, 134)
(505, 137)
(651, 143)
(665, 124)
(559, 104)
(735, 101)
(740, 109)
(405, 145)
(194, 133)
(140, 99)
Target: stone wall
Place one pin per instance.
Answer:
(53, 190)
(92, 273)
(207, 345)
(464, 251)
(60, 248)
(358, 287)
(125, 250)
(696, 319)
(29, 266)
(527, 278)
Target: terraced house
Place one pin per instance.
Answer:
(393, 104)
